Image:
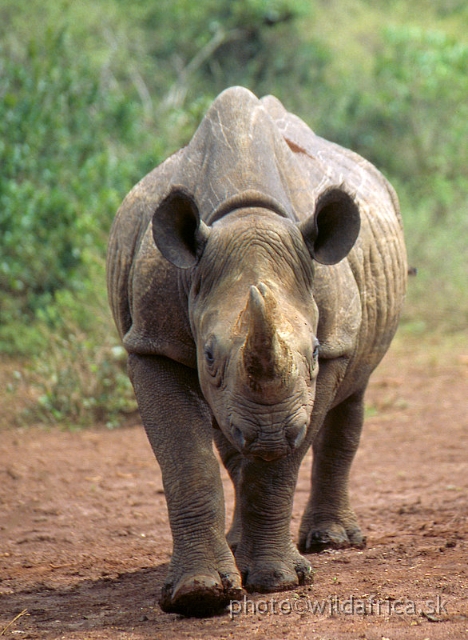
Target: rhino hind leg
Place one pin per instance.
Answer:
(329, 521)
(332, 535)
(202, 576)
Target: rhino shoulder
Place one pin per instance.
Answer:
(140, 280)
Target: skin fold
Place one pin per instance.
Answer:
(256, 278)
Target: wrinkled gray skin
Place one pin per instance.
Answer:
(256, 278)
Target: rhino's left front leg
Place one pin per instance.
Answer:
(266, 556)
(329, 521)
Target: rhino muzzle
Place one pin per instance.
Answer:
(269, 444)
(268, 377)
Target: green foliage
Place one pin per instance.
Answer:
(202, 48)
(80, 377)
(61, 177)
(421, 111)
(437, 295)
(423, 114)
(94, 95)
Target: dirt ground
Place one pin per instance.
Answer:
(85, 541)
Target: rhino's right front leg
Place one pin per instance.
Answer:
(203, 576)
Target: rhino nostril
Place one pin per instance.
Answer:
(238, 437)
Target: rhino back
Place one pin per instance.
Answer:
(362, 295)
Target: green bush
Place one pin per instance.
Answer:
(422, 87)
(202, 48)
(64, 169)
(80, 377)
(419, 115)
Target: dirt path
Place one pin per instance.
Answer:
(85, 542)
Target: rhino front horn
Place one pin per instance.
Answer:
(265, 354)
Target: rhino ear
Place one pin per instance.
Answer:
(330, 233)
(178, 231)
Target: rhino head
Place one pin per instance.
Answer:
(250, 278)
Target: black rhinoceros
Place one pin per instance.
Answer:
(256, 278)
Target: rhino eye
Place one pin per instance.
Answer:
(316, 351)
(209, 356)
(214, 361)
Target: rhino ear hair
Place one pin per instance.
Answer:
(178, 231)
(332, 230)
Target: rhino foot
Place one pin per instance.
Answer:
(331, 536)
(266, 576)
(201, 595)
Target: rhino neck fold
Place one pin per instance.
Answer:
(251, 198)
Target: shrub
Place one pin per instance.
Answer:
(80, 377)
(64, 170)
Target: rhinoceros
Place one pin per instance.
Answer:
(256, 278)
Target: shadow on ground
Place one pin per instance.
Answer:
(123, 603)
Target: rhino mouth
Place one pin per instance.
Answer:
(269, 456)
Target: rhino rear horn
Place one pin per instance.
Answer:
(178, 231)
(332, 230)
